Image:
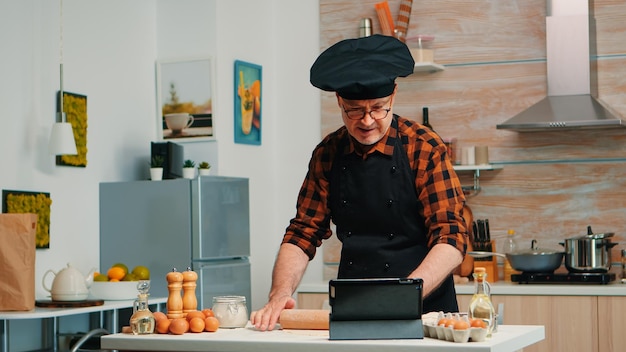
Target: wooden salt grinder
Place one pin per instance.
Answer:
(190, 302)
(174, 300)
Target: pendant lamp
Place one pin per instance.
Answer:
(62, 140)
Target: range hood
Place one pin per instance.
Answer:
(571, 102)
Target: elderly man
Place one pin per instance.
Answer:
(386, 182)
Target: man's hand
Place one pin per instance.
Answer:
(291, 262)
(267, 317)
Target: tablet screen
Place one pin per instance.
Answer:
(375, 299)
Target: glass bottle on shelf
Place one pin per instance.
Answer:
(480, 305)
(510, 246)
(142, 321)
(425, 116)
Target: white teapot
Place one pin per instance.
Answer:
(69, 284)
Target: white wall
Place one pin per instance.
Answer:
(283, 37)
(110, 48)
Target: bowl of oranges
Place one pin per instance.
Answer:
(118, 283)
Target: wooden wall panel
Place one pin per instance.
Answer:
(553, 184)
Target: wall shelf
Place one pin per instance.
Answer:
(427, 67)
(473, 190)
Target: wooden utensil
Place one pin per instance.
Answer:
(304, 319)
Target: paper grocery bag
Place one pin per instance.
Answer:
(17, 261)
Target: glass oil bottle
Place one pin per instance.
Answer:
(481, 306)
(142, 321)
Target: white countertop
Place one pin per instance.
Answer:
(508, 338)
(41, 312)
(615, 288)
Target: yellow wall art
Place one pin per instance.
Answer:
(31, 202)
(75, 108)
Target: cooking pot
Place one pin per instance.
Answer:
(532, 260)
(589, 253)
(68, 284)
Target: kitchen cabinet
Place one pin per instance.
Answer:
(611, 323)
(573, 323)
(311, 300)
(570, 321)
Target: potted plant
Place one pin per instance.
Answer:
(189, 170)
(203, 168)
(156, 168)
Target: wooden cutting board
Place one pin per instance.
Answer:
(48, 303)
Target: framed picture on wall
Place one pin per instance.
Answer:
(31, 202)
(248, 83)
(185, 99)
(75, 108)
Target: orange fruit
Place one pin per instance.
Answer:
(159, 315)
(163, 326)
(141, 272)
(101, 278)
(121, 265)
(116, 273)
(179, 326)
(195, 314)
(196, 324)
(208, 312)
(211, 324)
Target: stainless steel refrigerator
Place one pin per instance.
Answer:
(203, 223)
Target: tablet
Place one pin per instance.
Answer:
(375, 299)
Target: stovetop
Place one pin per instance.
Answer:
(568, 278)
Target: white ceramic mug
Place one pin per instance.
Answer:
(178, 122)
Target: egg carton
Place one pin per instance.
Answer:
(448, 333)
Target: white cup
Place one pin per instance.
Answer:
(178, 122)
(468, 156)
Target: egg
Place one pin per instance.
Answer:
(211, 324)
(179, 326)
(195, 314)
(163, 326)
(196, 324)
(159, 315)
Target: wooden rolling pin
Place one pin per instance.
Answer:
(304, 319)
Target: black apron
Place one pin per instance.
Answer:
(374, 205)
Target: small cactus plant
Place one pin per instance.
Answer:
(156, 161)
(204, 165)
(189, 163)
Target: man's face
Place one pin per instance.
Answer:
(367, 121)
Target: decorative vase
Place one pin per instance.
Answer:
(156, 173)
(204, 172)
(189, 172)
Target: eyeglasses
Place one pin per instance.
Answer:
(357, 114)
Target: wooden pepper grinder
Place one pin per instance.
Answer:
(190, 302)
(174, 300)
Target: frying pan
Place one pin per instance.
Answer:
(533, 260)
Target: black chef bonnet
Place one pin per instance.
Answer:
(362, 68)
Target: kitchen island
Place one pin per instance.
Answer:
(508, 338)
(576, 317)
